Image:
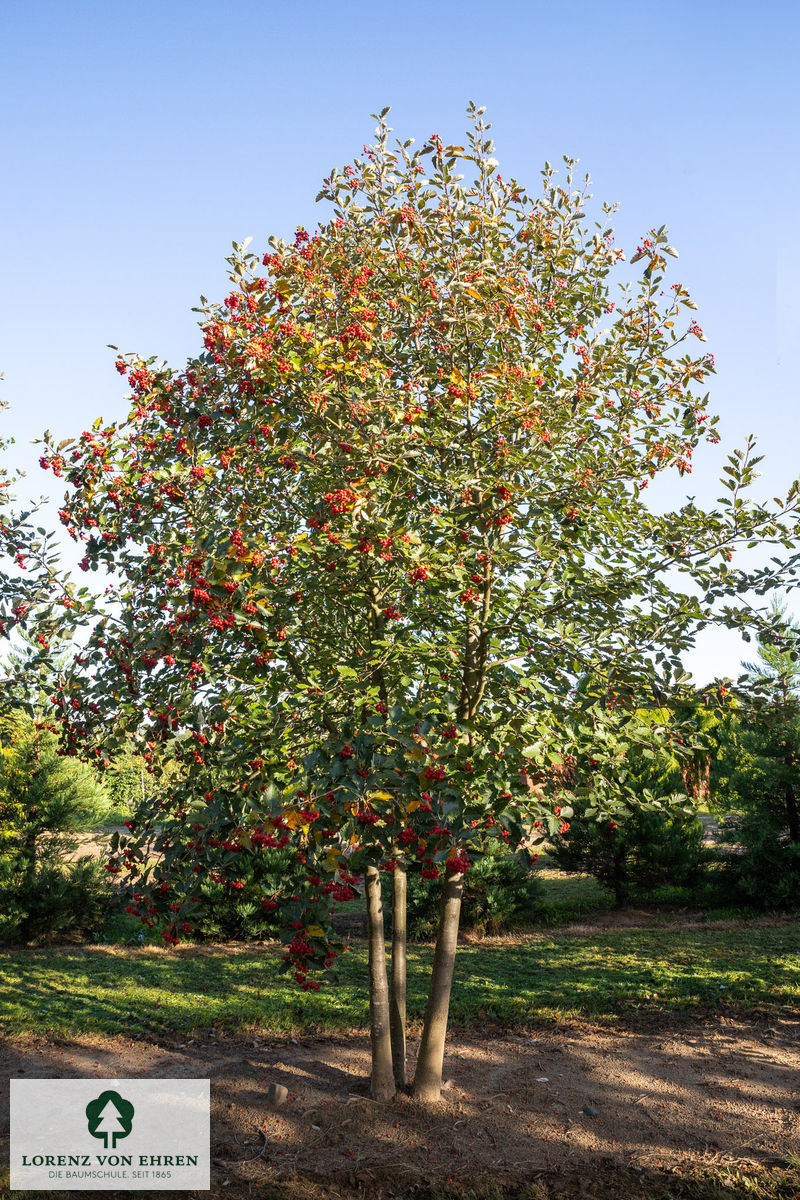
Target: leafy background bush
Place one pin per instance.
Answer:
(763, 868)
(45, 801)
(499, 889)
(638, 853)
(240, 914)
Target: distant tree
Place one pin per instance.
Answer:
(656, 838)
(759, 768)
(131, 783)
(46, 800)
(755, 776)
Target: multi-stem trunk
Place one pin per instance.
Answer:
(428, 1077)
(397, 998)
(382, 1083)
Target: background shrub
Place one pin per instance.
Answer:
(763, 867)
(45, 802)
(499, 890)
(72, 900)
(240, 914)
(636, 854)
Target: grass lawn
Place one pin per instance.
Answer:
(567, 897)
(542, 976)
(563, 898)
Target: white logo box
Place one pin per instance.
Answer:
(146, 1135)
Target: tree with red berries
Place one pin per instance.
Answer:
(35, 597)
(370, 540)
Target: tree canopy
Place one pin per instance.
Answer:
(370, 539)
(35, 595)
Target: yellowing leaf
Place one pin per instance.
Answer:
(332, 860)
(295, 820)
(417, 754)
(315, 931)
(412, 806)
(381, 795)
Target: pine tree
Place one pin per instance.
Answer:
(757, 771)
(46, 800)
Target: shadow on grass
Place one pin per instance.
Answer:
(539, 977)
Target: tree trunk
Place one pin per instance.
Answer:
(397, 1000)
(29, 849)
(620, 881)
(792, 815)
(428, 1077)
(382, 1083)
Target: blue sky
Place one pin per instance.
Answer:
(139, 140)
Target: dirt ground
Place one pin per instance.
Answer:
(94, 844)
(723, 1092)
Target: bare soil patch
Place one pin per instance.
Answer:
(94, 844)
(721, 1093)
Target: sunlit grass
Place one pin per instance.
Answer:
(537, 977)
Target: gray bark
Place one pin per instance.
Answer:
(428, 1077)
(382, 1082)
(397, 998)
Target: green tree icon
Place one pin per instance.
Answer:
(109, 1116)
